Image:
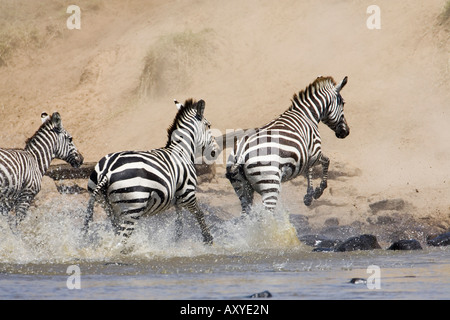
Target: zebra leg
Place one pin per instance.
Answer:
(270, 195)
(125, 227)
(197, 212)
(178, 224)
(242, 187)
(307, 199)
(21, 208)
(245, 193)
(325, 161)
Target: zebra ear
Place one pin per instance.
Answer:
(179, 105)
(56, 119)
(342, 84)
(200, 108)
(44, 117)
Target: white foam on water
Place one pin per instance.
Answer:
(51, 233)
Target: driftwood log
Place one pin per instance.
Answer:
(67, 172)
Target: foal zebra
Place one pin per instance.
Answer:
(134, 183)
(288, 146)
(21, 170)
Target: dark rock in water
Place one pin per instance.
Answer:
(323, 249)
(300, 222)
(358, 281)
(315, 240)
(385, 220)
(440, 241)
(264, 294)
(331, 222)
(339, 232)
(362, 242)
(406, 245)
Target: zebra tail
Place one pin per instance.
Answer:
(100, 186)
(90, 207)
(235, 172)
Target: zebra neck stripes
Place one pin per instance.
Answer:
(315, 101)
(182, 143)
(41, 147)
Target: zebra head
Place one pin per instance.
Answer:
(64, 148)
(334, 118)
(203, 138)
(206, 140)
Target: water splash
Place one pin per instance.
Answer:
(51, 233)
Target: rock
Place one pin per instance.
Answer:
(339, 232)
(411, 244)
(388, 204)
(264, 294)
(440, 241)
(331, 222)
(300, 222)
(385, 220)
(358, 281)
(362, 242)
(323, 249)
(315, 240)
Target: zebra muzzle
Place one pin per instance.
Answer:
(77, 160)
(342, 131)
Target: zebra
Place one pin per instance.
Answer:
(137, 183)
(21, 170)
(288, 146)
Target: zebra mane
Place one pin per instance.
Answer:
(318, 84)
(188, 106)
(46, 123)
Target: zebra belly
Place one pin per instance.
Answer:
(271, 156)
(139, 196)
(267, 176)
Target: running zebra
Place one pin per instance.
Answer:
(288, 146)
(137, 183)
(21, 170)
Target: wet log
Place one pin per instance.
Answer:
(67, 172)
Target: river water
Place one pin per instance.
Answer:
(51, 260)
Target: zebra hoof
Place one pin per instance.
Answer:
(127, 250)
(307, 200)
(208, 240)
(318, 193)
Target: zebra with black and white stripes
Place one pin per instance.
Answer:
(21, 170)
(137, 183)
(288, 146)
